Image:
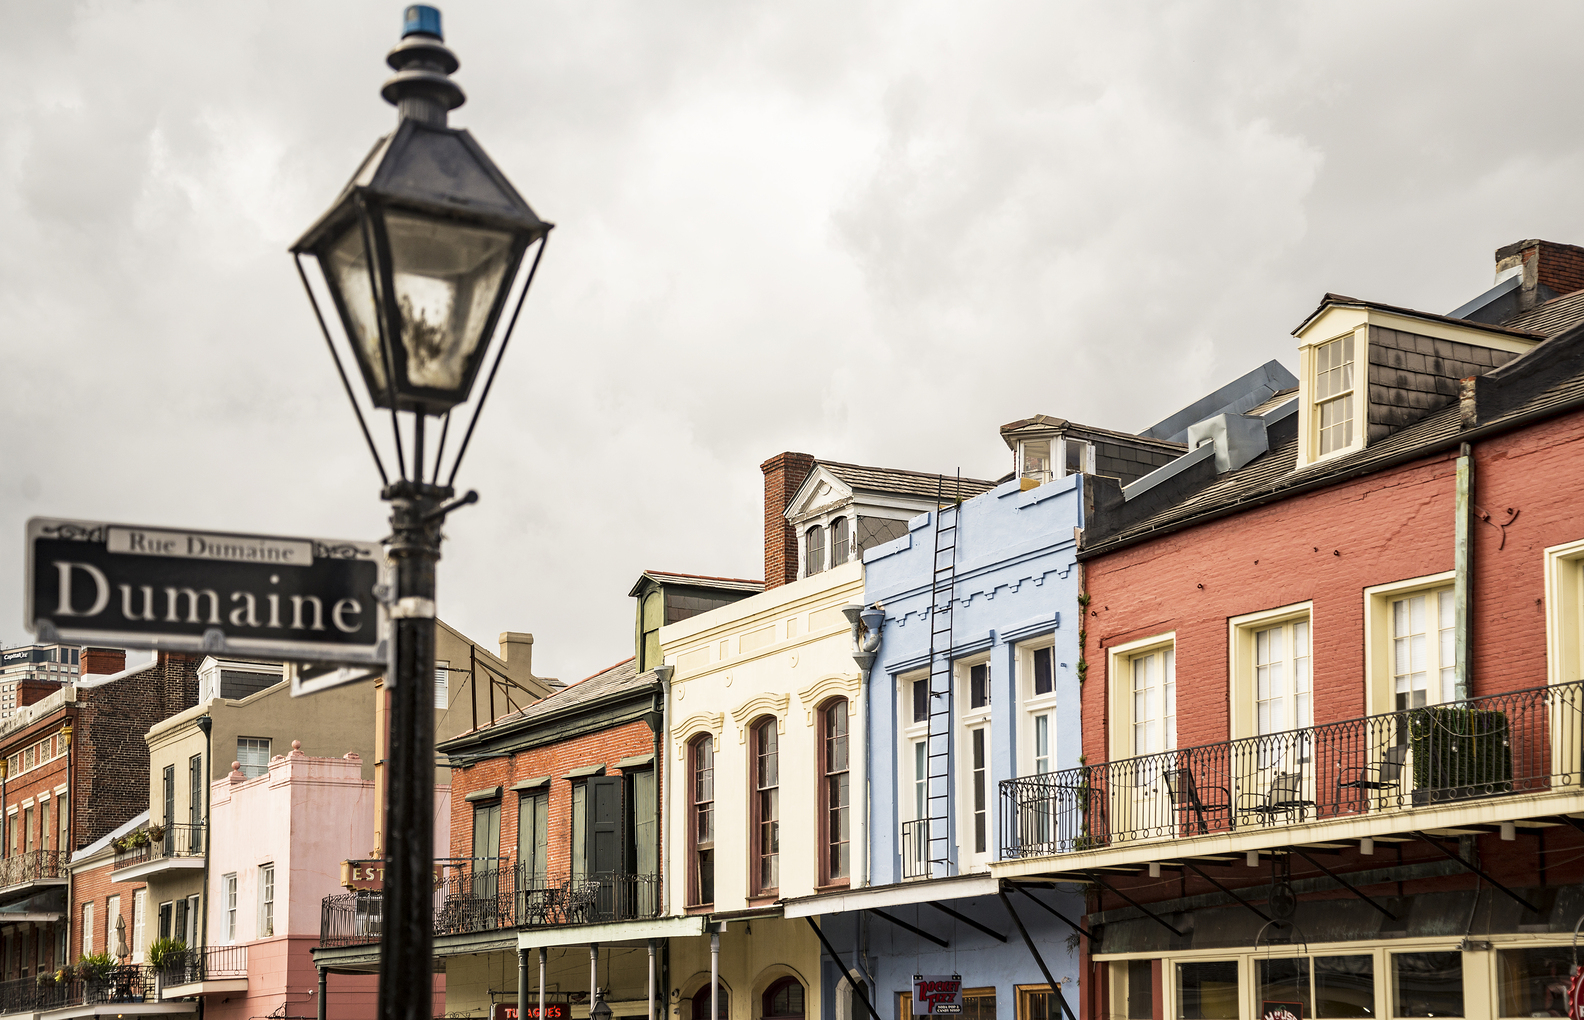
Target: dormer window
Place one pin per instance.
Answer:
(1334, 404)
(813, 550)
(839, 541)
(1075, 456)
(1034, 460)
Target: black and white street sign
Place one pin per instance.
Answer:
(297, 599)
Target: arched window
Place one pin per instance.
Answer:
(784, 999)
(702, 829)
(813, 551)
(839, 541)
(701, 1001)
(766, 778)
(834, 798)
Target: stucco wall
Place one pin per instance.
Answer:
(783, 652)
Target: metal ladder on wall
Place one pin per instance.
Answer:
(938, 756)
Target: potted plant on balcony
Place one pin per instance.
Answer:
(155, 834)
(95, 967)
(1459, 752)
(162, 954)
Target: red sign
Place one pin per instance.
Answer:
(937, 994)
(508, 1011)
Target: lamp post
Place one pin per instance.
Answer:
(419, 255)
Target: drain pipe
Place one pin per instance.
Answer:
(1463, 539)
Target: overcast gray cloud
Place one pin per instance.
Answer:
(871, 231)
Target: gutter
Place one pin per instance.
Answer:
(1442, 446)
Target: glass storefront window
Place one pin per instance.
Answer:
(1285, 980)
(1207, 991)
(1344, 986)
(1427, 984)
(1534, 982)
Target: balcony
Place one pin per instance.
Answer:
(205, 970)
(470, 901)
(34, 867)
(111, 985)
(158, 850)
(1478, 762)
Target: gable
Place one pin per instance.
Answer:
(820, 491)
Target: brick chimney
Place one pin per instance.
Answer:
(101, 661)
(1549, 269)
(783, 473)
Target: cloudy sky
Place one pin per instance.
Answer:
(870, 231)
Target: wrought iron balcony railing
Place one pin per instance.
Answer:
(33, 866)
(473, 900)
(183, 839)
(45, 992)
(1519, 742)
(205, 963)
(915, 849)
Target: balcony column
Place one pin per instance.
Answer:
(714, 975)
(541, 985)
(593, 973)
(522, 983)
(324, 982)
(651, 979)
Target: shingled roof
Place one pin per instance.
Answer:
(1556, 316)
(897, 482)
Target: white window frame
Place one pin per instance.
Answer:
(266, 901)
(442, 684)
(1379, 697)
(228, 883)
(1564, 609)
(1119, 680)
(909, 734)
(970, 720)
(1036, 706)
(88, 928)
(112, 911)
(1241, 631)
(1309, 425)
(268, 747)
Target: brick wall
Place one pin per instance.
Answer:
(1559, 266)
(783, 473)
(110, 758)
(101, 661)
(93, 885)
(605, 747)
(1327, 546)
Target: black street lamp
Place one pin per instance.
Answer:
(419, 255)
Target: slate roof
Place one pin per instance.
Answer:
(614, 680)
(897, 482)
(1044, 421)
(1343, 299)
(1555, 316)
(700, 580)
(1557, 384)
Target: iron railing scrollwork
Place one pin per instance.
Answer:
(109, 986)
(33, 866)
(1518, 742)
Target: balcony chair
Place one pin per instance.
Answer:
(1187, 798)
(1386, 773)
(1283, 798)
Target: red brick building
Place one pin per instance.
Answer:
(76, 772)
(1332, 694)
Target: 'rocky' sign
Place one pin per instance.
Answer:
(298, 599)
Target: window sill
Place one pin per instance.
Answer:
(699, 908)
(764, 899)
(845, 883)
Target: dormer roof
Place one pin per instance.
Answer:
(834, 483)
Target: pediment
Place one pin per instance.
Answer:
(820, 491)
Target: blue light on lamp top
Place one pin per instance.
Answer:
(421, 19)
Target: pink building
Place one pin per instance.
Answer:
(277, 844)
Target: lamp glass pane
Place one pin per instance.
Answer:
(446, 276)
(347, 264)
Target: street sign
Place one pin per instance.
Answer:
(294, 599)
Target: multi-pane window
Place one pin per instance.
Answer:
(1423, 648)
(703, 822)
(980, 783)
(1075, 454)
(840, 541)
(253, 755)
(229, 882)
(1334, 395)
(784, 999)
(266, 921)
(835, 861)
(533, 837)
(1042, 744)
(1044, 678)
(1154, 682)
(814, 550)
(1036, 461)
(767, 805)
(1283, 690)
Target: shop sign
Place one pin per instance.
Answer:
(177, 589)
(508, 1011)
(369, 876)
(937, 994)
(1281, 1011)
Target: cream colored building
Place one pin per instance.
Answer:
(765, 800)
